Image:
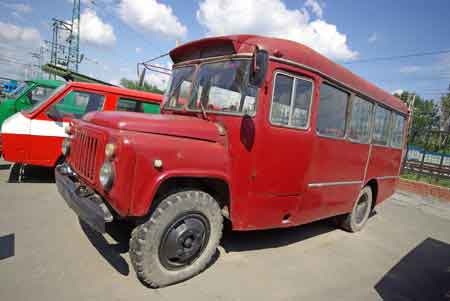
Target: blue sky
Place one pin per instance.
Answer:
(119, 33)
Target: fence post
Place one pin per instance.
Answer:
(423, 155)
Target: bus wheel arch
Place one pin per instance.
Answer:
(373, 184)
(216, 187)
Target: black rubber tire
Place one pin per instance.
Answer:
(146, 238)
(15, 173)
(348, 221)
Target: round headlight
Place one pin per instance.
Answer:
(65, 146)
(106, 175)
(110, 150)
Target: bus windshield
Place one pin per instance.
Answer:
(220, 86)
(179, 87)
(223, 87)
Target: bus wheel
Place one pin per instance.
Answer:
(355, 220)
(178, 241)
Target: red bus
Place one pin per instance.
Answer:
(264, 132)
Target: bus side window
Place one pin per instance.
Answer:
(132, 105)
(397, 130)
(331, 118)
(360, 120)
(381, 128)
(291, 101)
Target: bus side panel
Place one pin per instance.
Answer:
(335, 161)
(384, 162)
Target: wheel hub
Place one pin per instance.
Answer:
(183, 241)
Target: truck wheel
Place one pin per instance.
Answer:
(179, 239)
(355, 220)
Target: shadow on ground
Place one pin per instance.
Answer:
(423, 274)
(5, 166)
(232, 241)
(264, 239)
(31, 174)
(112, 252)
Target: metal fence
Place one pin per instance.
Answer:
(428, 154)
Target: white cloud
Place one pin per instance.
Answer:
(12, 33)
(409, 69)
(373, 38)
(151, 16)
(138, 50)
(315, 7)
(273, 18)
(94, 31)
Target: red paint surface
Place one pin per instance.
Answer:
(46, 150)
(267, 168)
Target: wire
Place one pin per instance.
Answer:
(390, 58)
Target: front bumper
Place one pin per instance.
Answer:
(86, 203)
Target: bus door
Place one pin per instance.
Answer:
(283, 149)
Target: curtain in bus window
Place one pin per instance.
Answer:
(302, 100)
(397, 131)
(359, 124)
(281, 100)
(332, 113)
(381, 129)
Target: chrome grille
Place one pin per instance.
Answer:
(83, 153)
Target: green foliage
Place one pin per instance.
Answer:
(134, 84)
(426, 111)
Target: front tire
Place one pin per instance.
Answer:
(355, 220)
(179, 239)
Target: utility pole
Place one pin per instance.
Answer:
(40, 58)
(65, 44)
(74, 43)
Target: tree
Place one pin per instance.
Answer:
(134, 84)
(445, 111)
(426, 112)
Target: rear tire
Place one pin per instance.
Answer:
(356, 220)
(179, 239)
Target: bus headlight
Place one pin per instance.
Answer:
(106, 175)
(65, 146)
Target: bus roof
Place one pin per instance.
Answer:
(288, 52)
(150, 97)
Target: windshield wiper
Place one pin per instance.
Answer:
(205, 116)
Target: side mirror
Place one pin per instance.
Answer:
(259, 66)
(53, 113)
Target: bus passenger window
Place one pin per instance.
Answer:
(331, 117)
(302, 101)
(397, 131)
(381, 128)
(281, 100)
(284, 111)
(359, 123)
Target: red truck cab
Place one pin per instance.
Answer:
(34, 135)
(264, 132)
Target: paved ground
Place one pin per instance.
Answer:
(403, 254)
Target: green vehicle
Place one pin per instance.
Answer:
(26, 95)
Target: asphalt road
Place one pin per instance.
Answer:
(402, 254)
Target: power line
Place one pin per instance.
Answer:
(390, 58)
